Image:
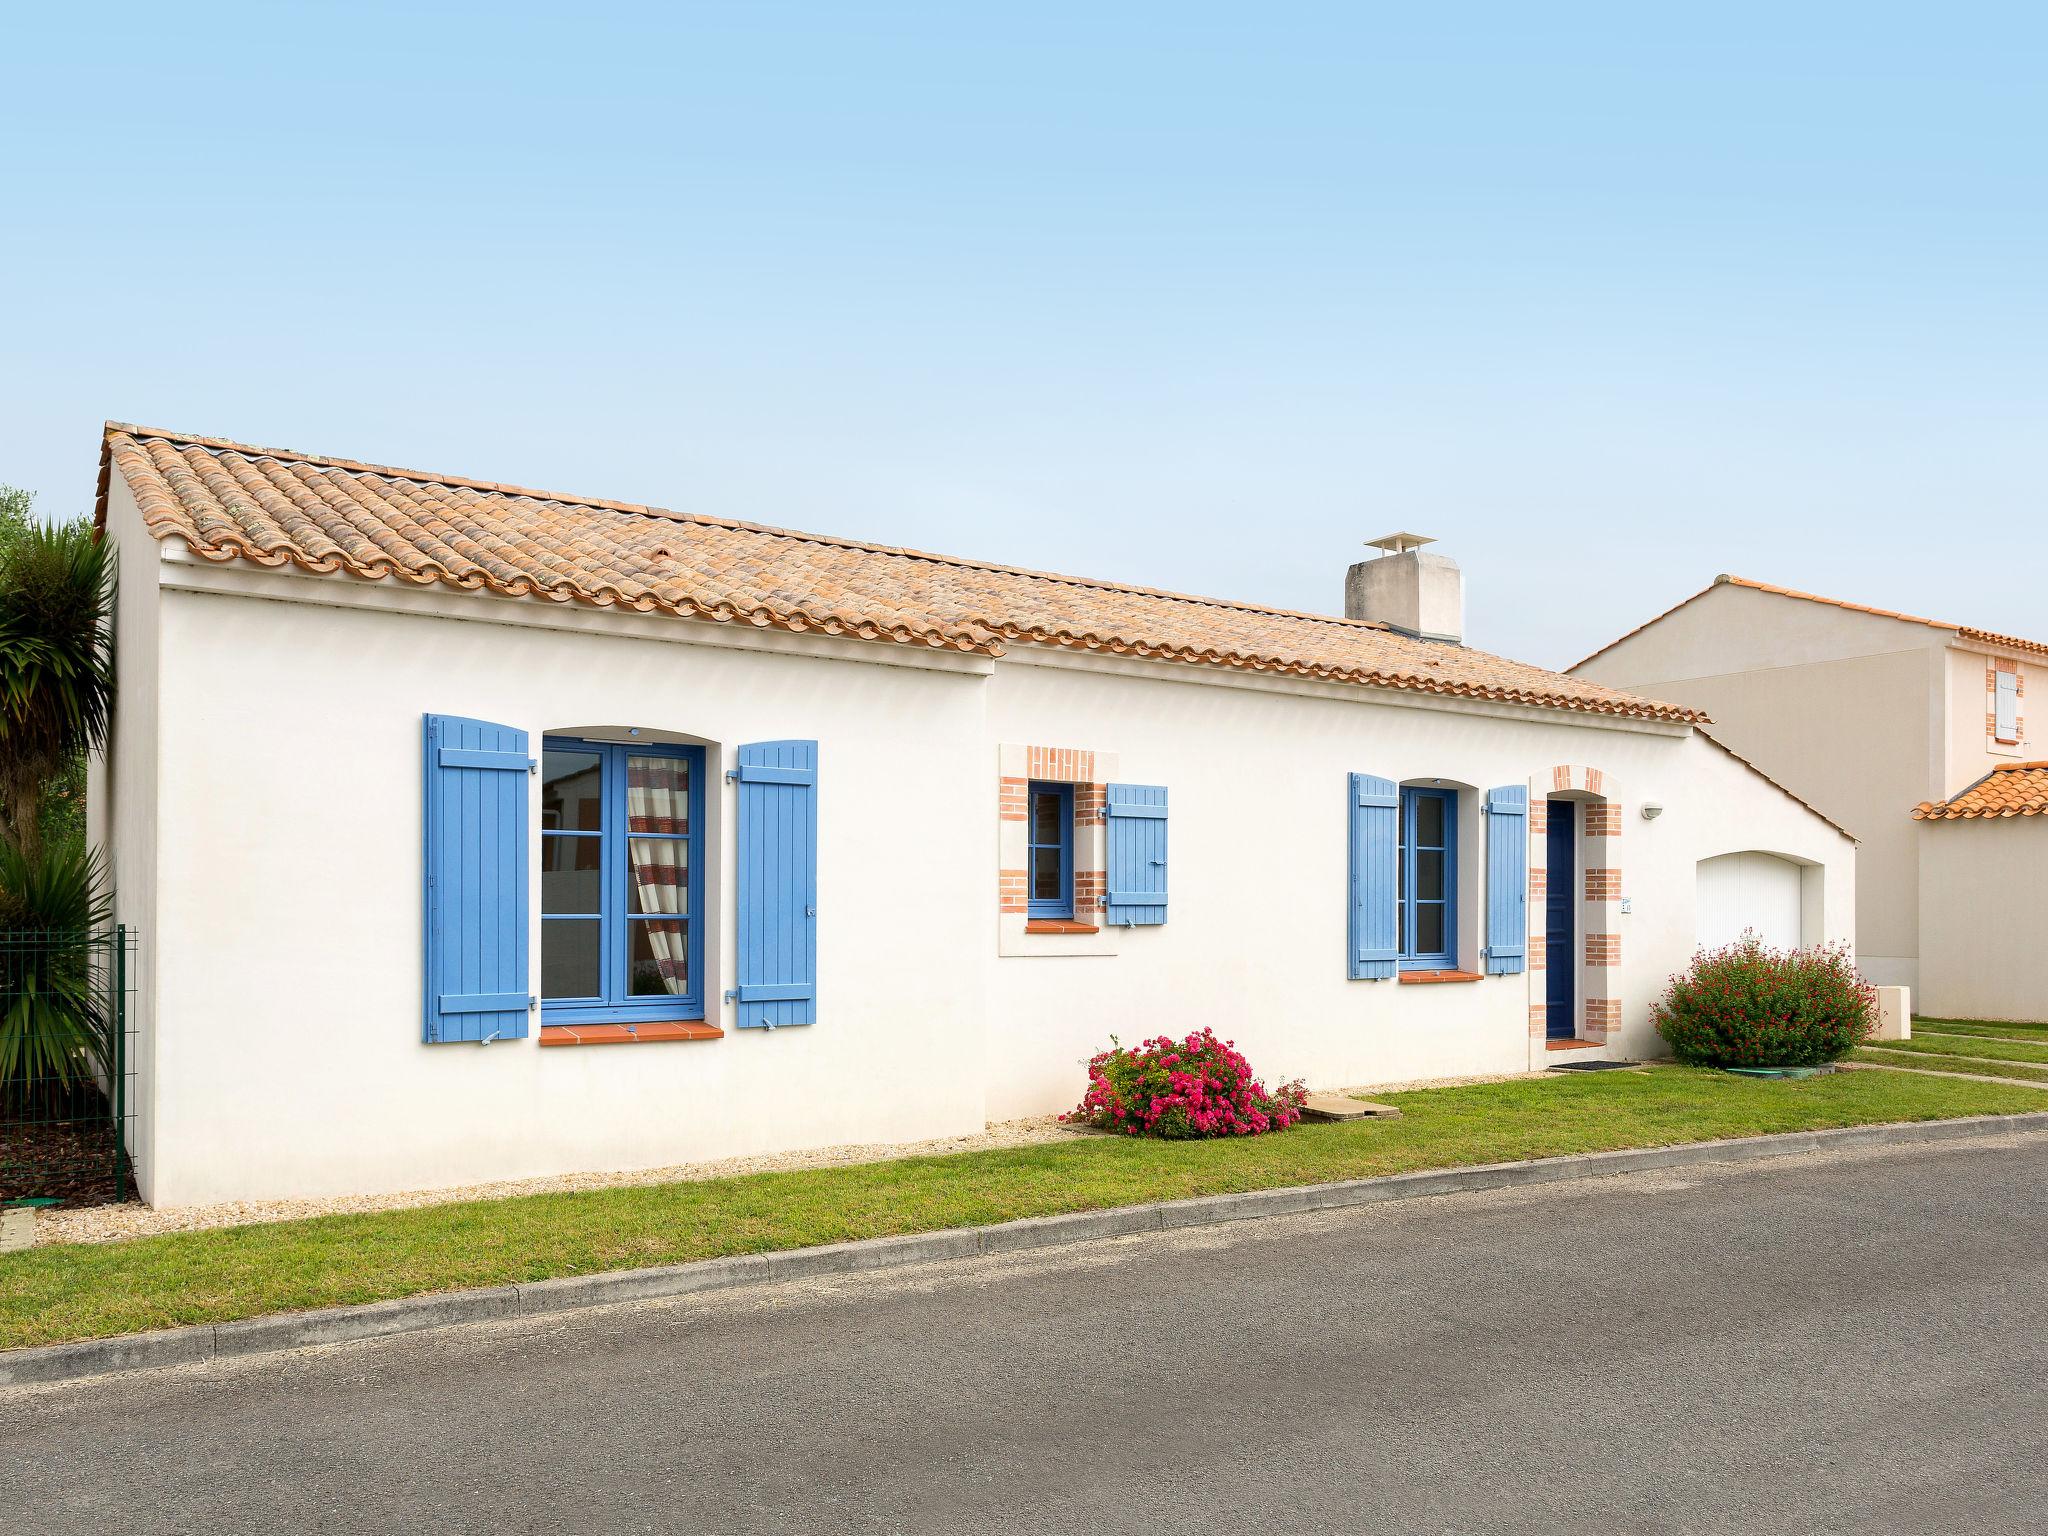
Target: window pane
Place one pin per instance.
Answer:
(1429, 875)
(1429, 928)
(660, 877)
(1429, 821)
(1047, 882)
(569, 958)
(657, 794)
(570, 879)
(658, 958)
(571, 788)
(1046, 820)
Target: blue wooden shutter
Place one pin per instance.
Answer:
(777, 898)
(1507, 880)
(477, 912)
(1136, 819)
(1375, 837)
(2008, 706)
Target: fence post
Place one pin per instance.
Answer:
(120, 1083)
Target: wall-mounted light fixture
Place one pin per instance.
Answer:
(1652, 810)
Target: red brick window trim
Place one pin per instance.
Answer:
(1077, 767)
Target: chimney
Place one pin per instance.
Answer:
(1414, 593)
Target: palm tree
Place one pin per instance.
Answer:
(56, 702)
(56, 665)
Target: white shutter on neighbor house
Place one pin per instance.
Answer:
(2007, 707)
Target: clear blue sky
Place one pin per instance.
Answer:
(1608, 297)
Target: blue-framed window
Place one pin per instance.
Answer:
(621, 881)
(1049, 841)
(1426, 880)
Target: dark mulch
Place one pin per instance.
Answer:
(68, 1158)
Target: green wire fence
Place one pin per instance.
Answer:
(66, 1065)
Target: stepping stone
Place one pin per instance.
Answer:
(1335, 1106)
(17, 1229)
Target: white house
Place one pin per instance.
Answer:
(475, 832)
(1869, 714)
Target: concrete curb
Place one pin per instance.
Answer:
(298, 1330)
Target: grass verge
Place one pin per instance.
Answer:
(1970, 1045)
(1989, 1029)
(1889, 1055)
(77, 1291)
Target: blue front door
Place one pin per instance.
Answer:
(1560, 994)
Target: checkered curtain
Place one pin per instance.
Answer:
(658, 800)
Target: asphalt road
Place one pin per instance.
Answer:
(1843, 1343)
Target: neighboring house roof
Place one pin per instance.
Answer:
(2010, 789)
(228, 501)
(1964, 631)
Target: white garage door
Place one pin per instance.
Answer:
(1749, 890)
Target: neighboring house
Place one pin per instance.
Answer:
(476, 833)
(1866, 714)
(1984, 897)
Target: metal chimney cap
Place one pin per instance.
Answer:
(1399, 543)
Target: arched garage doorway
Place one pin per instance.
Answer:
(1752, 891)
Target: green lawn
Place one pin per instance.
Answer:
(1895, 1053)
(1990, 1029)
(1970, 1045)
(82, 1291)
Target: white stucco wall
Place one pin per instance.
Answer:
(1984, 915)
(282, 919)
(1256, 938)
(121, 798)
(287, 923)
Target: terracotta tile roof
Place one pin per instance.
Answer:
(228, 501)
(1989, 637)
(2010, 789)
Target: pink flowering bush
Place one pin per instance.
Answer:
(1183, 1089)
(1748, 1005)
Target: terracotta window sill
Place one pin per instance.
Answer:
(629, 1034)
(1059, 925)
(1431, 978)
(1571, 1045)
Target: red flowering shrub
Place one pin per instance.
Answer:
(1748, 1005)
(1183, 1089)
